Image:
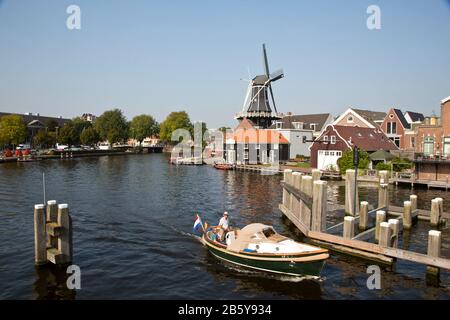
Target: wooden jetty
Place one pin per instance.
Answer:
(52, 234)
(305, 205)
(410, 178)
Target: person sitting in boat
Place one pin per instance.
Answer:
(224, 226)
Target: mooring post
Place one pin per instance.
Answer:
(380, 217)
(350, 192)
(394, 224)
(349, 227)
(385, 235)
(441, 208)
(319, 207)
(64, 240)
(407, 218)
(413, 199)
(295, 203)
(315, 173)
(52, 216)
(40, 244)
(286, 194)
(364, 215)
(305, 211)
(435, 212)
(434, 250)
(383, 195)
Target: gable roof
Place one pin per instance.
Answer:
(371, 116)
(402, 118)
(368, 139)
(415, 116)
(445, 100)
(307, 119)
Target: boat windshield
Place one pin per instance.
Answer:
(268, 232)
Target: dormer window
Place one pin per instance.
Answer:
(279, 124)
(313, 126)
(298, 125)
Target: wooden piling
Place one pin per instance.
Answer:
(394, 225)
(316, 174)
(407, 217)
(40, 245)
(64, 240)
(52, 216)
(349, 227)
(319, 207)
(364, 215)
(350, 176)
(380, 217)
(286, 194)
(435, 212)
(413, 199)
(385, 235)
(305, 212)
(295, 203)
(434, 250)
(383, 195)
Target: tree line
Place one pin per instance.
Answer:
(111, 126)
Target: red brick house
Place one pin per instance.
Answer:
(432, 147)
(394, 126)
(334, 140)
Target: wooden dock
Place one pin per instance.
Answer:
(409, 178)
(305, 205)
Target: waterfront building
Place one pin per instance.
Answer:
(360, 118)
(301, 130)
(334, 140)
(432, 146)
(248, 144)
(88, 117)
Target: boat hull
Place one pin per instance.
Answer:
(307, 265)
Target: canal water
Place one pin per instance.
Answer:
(133, 218)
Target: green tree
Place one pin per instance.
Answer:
(51, 125)
(175, 120)
(89, 136)
(79, 126)
(112, 126)
(13, 130)
(67, 134)
(346, 161)
(143, 126)
(44, 138)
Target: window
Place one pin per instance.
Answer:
(298, 125)
(246, 155)
(333, 139)
(392, 127)
(446, 146)
(339, 153)
(325, 139)
(350, 119)
(258, 146)
(413, 142)
(313, 126)
(279, 125)
(246, 145)
(428, 146)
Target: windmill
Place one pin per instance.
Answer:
(256, 105)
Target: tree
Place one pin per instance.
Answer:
(67, 134)
(143, 126)
(79, 126)
(346, 161)
(89, 136)
(112, 126)
(175, 120)
(44, 138)
(51, 125)
(13, 130)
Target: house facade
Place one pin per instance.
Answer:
(432, 147)
(301, 130)
(250, 145)
(360, 118)
(335, 140)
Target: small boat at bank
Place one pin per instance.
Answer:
(260, 247)
(223, 166)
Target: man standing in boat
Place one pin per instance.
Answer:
(224, 225)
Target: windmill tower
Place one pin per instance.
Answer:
(256, 105)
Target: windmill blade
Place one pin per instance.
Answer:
(266, 63)
(273, 99)
(276, 75)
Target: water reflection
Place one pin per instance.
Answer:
(50, 284)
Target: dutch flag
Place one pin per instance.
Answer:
(197, 225)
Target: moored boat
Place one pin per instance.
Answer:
(223, 166)
(260, 247)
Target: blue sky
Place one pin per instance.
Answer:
(160, 56)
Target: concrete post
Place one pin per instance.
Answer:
(434, 250)
(364, 215)
(385, 234)
(316, 173)
(407, 218)
(305, 212)
(64, 240)
(383, 195)
(319, 207)
(40, 244)
(435, 212)
(350, 176)
(394, 224)
(380, 217)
